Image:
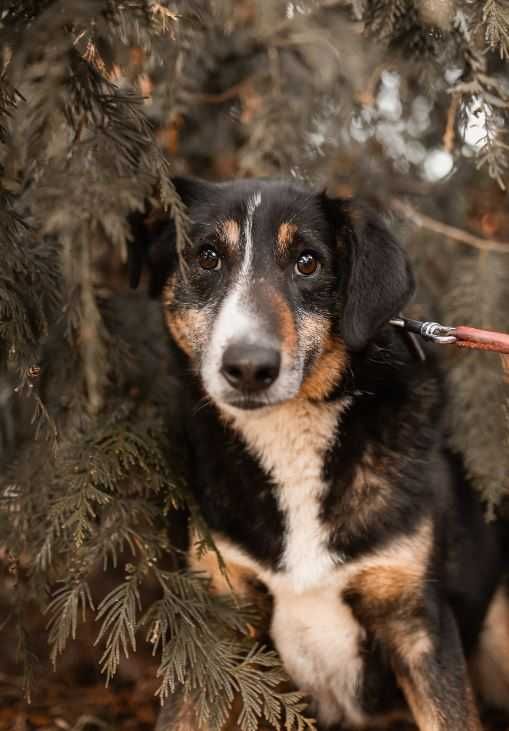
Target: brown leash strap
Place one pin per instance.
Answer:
(462, 336)
(471, 337)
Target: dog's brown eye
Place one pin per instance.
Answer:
(306, 264)
(209, 258)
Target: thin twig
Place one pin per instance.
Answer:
(451, 232)
(450, 128)
(224, 96)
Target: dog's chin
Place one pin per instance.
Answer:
(249, 404)
(230, 400)
(237, 401)
(241, 402)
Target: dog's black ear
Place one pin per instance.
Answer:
(152, 244)
(379, 280)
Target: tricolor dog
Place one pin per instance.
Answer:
(318, 459)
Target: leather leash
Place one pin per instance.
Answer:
(462, 336)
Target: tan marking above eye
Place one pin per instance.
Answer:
(285, 235)
(229, 231)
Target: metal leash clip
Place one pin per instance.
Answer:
(433, 331)
(437, 333)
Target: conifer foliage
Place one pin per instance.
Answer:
(101, 101)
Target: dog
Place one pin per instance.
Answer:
(318, 456)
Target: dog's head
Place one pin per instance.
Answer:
(279, 284)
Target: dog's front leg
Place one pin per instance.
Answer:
(430, 668)
(420, 635)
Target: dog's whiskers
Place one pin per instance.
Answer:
(202, 403)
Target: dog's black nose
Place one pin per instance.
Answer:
(250, 368)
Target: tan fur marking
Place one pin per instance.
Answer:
(326, 372)
(229, 231)
(169, 291)
(396, 573)
(313, 329)
(427, 717)
(384, 585)
(395, 576)
(234, 578)
(188, 326)
(371, 487)
(491, 665)
(287, 329)
(285, 236)
(414, 645)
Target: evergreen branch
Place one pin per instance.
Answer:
(21, 596)
(27, 658)
(99, 462)
(495, 16)
(76, 512)
(262, 699)
(256, 675)
(492, 97)
(193, 631)
(118, 612)
(9, 98)
(203, 540)
(129, 524)
(384, 16)
(64, 610)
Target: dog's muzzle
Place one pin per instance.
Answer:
(250, 368)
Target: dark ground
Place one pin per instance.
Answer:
(129, 705)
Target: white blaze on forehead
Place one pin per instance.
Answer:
(247, 261)
(234, 316)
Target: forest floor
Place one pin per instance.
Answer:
(60, 705)
(74, 696)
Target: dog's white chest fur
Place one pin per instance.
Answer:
(319, 642)
(290, 441)
(313, 629)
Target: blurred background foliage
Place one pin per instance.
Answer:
(402, 102)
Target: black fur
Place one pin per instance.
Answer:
(380, 281)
